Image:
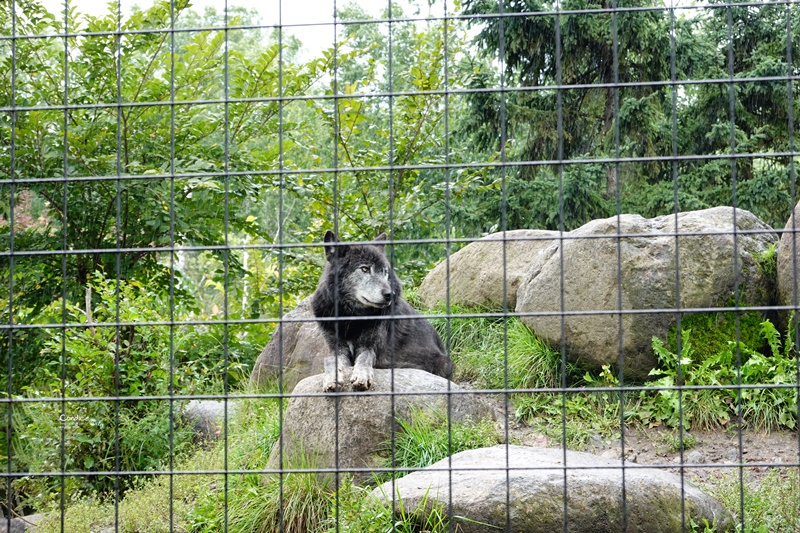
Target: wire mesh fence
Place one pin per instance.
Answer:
(591, 203)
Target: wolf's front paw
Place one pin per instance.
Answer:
(332, 382)
(361, 378)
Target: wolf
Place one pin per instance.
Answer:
(355, 301)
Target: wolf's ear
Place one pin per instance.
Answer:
(379, 240)
(335, 250)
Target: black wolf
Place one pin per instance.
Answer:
(357, 295)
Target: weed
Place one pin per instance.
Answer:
(676, 442)
(294, 502)
(707, 408)
(361, 512)
(770, 408)
(476, 346)
(575, 415)
(498, 353)
(532, 363)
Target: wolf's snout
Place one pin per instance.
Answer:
(387, 296)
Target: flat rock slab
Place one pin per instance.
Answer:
(358, 425)
(478, 483)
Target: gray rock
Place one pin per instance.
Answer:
(789, 265)
(32, 521)
(732, 455)
(694, 457)
(475, 483)
(476, 271)
(300, 354)
(207, 416)
(594, 284)
(17, 525)
(311, 436)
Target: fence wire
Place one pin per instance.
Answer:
(168, 175)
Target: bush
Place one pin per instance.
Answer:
(104, 356)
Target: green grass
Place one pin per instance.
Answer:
(770, 504)
(483, 357)
(426, 439)
(676, 442)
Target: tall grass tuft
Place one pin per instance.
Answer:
(494, 352)
(425, 439)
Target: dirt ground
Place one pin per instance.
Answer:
(706, 454)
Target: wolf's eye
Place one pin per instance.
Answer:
(365, 269)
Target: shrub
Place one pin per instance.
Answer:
(102, 357)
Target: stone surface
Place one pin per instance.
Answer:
(642, 277)
(206, 417)
(695, 457)
(301, 354)
(789, 265)
(365, 420)
(477, 485)
(476, 271)
(17, 525)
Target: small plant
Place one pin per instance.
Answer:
(497, 353)
(768, 261)
(296, 502)
(676, 441)
(361, 512)
(532, 363)
(771, 408)
(707, 408)
(475, 344)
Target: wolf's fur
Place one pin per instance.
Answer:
(356, 296)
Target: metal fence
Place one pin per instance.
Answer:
(168, 174)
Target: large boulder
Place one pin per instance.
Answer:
(476, 273)
(297, 348)
(603, 273)
(488, 487)
(318, 424)
(789, 264)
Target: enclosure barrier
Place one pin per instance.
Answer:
(591, 202)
